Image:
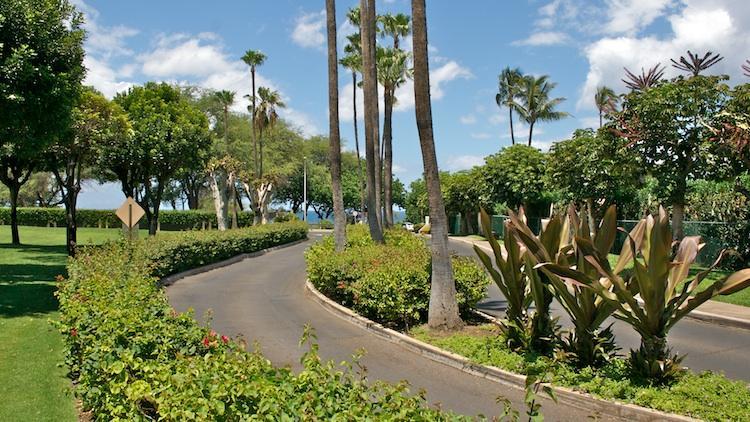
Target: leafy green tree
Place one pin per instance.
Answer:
(352, 60)
(169, 134)
(515, 176)
(664, 125)
(416, 204)
(41, 190)
(509, 90)
(595, 170)
(41, 69)
(465, 193)
(96, 122)
(534, 103)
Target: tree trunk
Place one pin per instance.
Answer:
(443, 308)
(14, 188)
(510, 118)
(601, 121)
(388, 158)
(531, 131)
(252, 123)
(590, 212)
(678, 218)
(217, 181)
(153, 226)
(339, 217)
(356, 145)
(71, 226)
(369, 76)
(233, 196)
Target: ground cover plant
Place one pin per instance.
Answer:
(388, 282)
(706, 395)
(134, 358)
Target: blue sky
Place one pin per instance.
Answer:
(579, 44)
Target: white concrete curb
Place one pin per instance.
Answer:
(586, 402)
(171, 279)
(707, 317)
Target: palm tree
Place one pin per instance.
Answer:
(392, 73)
(339, 218)
(226, 99)
(265, 117)
(443, 309)
(353, 61)
(645, 80)
(370, 79)
(534, 104)
(508, 90)
(606, 100)
(254, 58)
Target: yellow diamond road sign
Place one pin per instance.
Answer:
(130, 212)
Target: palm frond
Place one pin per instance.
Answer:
(695, 64)
(645, 80)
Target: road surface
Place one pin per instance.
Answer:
(264, 300)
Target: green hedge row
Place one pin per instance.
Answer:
(133, 358)
(168, 219)
(388, 283)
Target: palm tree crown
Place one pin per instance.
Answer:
(509, 88)
(606, 100)
(534, 103)
(266, 114)
(254, 58)
(397, 26)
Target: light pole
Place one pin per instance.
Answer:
(304, 189)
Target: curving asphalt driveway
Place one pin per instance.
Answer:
(264, 300)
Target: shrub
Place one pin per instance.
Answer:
(168, 219)
(133, 358)
(388, 283)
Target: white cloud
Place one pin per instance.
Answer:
(699, 25)
(103, 78)
(439, 77)
(309, 30)
(399, 169)
(464, 162)
(544, 38)
(468, 119)
(628, 16)
(177, 55)
(481, 135)
(301, 120)
(101, 40)
(497, 119)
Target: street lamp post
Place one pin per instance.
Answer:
(304, 189)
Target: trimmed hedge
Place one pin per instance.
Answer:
(132, 357)
(168, 219)
(388, 283)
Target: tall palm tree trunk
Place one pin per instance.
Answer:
(339, 218)
(369, 76)
(443, 308)
(252, 123)
(531, 132)
(388, 158)
(510, 118)
(601, 121)
(356, 145)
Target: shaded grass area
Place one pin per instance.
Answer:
(32, 385)
(707, 395)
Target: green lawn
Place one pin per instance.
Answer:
(32, 385)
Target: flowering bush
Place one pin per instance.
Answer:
(388, 283)
(132, 357)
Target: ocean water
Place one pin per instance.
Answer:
(398, 216)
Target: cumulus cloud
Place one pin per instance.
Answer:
(698, 25)
(544, 38)
(480, 135)
(180, 55)
(309, 30)
(439, 77)
(102, 77)
(464, 162)
(627, 16)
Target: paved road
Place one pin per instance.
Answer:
(264, 300)
(708, 346)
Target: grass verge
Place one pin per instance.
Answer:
(32, 385)
(706, 395)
